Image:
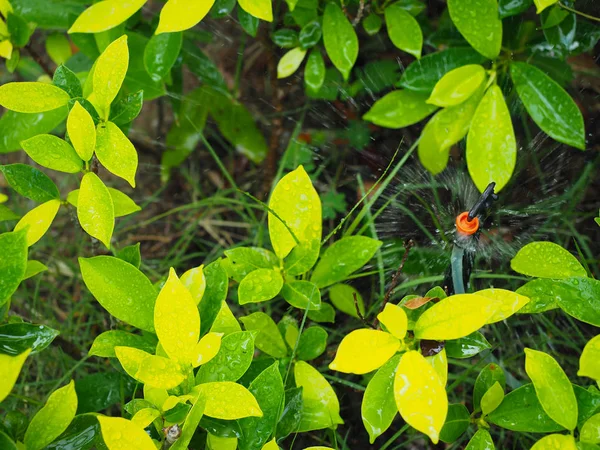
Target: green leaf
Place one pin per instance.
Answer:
(156, 371)
(302, 294)
(267, 388)
(399, 109)
(325, 314)
(227, 400)
(491, 143)
(457, 85)
(341, 42)
(247, 259)
(321, 408)
(105, 15)
(468, 346)
(191, 424)
(552, 388)
(123, 205)
(6, 442)
(298, 207)
(6, 214)
(52, 419)
(52, 152)
(508, 8)
(99, 391)
(582, 300)
(403, 29)
(119, 432)
(130, 254)
(95, 209)
(269, 339)
(16, 127)
(312, 344)
(116, 152)
(13, 248)
(543, 4)
(66, 79)
(310, 34)
(104, 345)
(290, 62)
(546, 260)
(589, 362)
(342, 297)
(248, 22)
(82, 131)
(478, 22)
(161, 52)
(261, 9)
(521, 411)
(10, 367)
(215, 294)
(302, 257)
(121, 289)
(109, 74)
(30, 182)
(15, 338)
(549, 105)
(482, 440)
(372, 24)
(128, 108)
(343, 258)
(489, 375)
(590, 431)
(260, 285)
(542, 295)
(137, 78)
(19, 29)
(492, 398)
(457, 422)
(285, 38)
(291, 414)
(379, 406)
(32, 97)
(58, 48)
(179, 15)
(422, 75)
(564, 442)
(33, 268)
(232, 361)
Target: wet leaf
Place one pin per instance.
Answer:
(128, 108)
(179, 15)
(552, 387)
(162, 50)
(508, 8)
(206, 349)
(341, 42)
(290, 62)
(543, 4)
(15, 338)
(105, 15)
(589, 362)
(302, 257)
(247, 259)
(457, 422)
(507, 302)
(195, 282)
(489, 375)
(122, 434)
(121, 289)
(362, 351)
(321, 408)
(82, 131)
(457, 85)
(420, 395)
(285, 38)
(314, 71)
(269, 339)
(467, 347)
(225, 322)
(222, 443)
(554, 441)
(297, 203)
(260, 285)
(404, 30)
(590, 431)
(157, 371)
(13, 247)
(116, 152)
(546, 260)
(482, 440)
(122, 204)
(312, 344)
(95, 208)
(176, 320)
(549, 105)
(32, 97)
(342, 296)
(310, 34)
(53, 418)
(83, 433)
(394, 319)
(372, 24)
(291, 414)
(379, 406)
(215, 294)
(10, 367)
(248, 22)
(399, 109)
(580, 298)
(228, 400)
(104, 345)
(261, 9)
(492, 398)
(302, 294)
(38, 220)
(542, 295)
(478, 22)
(16, 127)
(67, 80)
(109, 74)
(52, 152)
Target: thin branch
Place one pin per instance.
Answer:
(360, 315)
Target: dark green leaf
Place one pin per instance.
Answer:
(325, 314)
(313, 342)
(341, 42)
(521, 411)
(305, 11)
(310, 34)
(98, 391)
(19, 30)
(52, 14)
(30, 182)
(457, 422)
(587, 36)
(248, 22)
(178, 413)
(582, 300)
(331, 86)
(489, 375)
(467, 346)
(559, 71)
(314, 71)
(509, 8)
(6, 443)
(562, 37)
(131, 254)
(478, 22)
(588, 403)
(553, 16)
(232, 361)
(215, 294)
(13, 248)
(285, 38)
(542, 295)
(87, 106)
(66, 79)
(16, 127)
(128, 108)
(422, 75)
(6, 214)
(292, 413)
(202, 66)
(160, 54)
(302, 294)
(552, 109)
(137, 77)
(15, 338)
(222, 8)
(372, 24)
(481, 441)
(221, 428)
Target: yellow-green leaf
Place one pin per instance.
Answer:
(122, 203)
(224, 443)
(454, 317)
(159, 372)
(297, 203)
(38, 220)
(261, 9)
(225, 322)
(491, 143)
(479, 23)
(109, 73)
(290, 62)
(130, 358)
(546, 260)
(394, 319)
(6, 49)
(52, 152)
(52, 419)
(32, 97)
(340, 39)
(320, 405)
(589, 362)
(552, 387)
(271, 445)
(105, 15)
(228, 400)
(176, 320)
(259, 285)
(145, 417)
(195, 282)
(590, 431)
(399, 109)
(543, 4)
(82, 131)
(420, 395)
(555, 442)
(439, 362)
(158, 397)
(507, 303)
(206, 349)
(10, 367)
(492, 398)
(122, 434)
(342, 297)
(179, 15)
(364, 350)
(116, 152)
(95, 209)
(404, 30)
(457, 85)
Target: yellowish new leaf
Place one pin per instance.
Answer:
(589, 363)
(109, 73)
(122, 434)
(394, 319)
(82, 131)
(38, 220)
(228, 400)
(179, 15)
(116, 152)
(195, 282)
(95, 209)
(32, 97)
(10, 367)
(206, 349)
(261, 9)
(364, 350)
(105, 15)
(507, 303)
(145, 417)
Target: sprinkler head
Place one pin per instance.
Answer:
(466, 226)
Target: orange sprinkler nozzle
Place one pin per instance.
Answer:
(466, 226)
